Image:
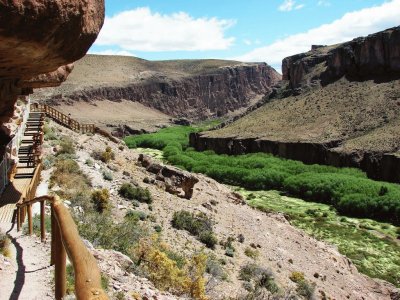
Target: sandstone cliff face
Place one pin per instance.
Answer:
(374, 56)
(37, 37)
(193, 96)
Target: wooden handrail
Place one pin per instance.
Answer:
(66, 240)
(63, 118)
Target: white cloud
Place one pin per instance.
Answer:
(112, 52)
(289, 5)
(323, 3)
(351, 25)
(143, 30)
(247, 42)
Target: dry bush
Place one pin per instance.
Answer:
(152, 257)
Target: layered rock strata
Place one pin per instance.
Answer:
(179, 90)
(376, 56)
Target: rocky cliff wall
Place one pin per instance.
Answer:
(379, 166)
(376, 56)
(193, 96)
(36, 39)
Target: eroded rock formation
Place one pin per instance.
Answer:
(371, 57)
(36, 38)
(176, 181)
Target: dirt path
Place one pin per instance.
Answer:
(27, 274)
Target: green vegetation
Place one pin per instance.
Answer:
(346, 189)
(160, 139)
(66, 146)
(258, 278)
(107, 175)
(198, 225)
(101, 200)
(90, 209)
(372, 246)
(252, 253)
(131, 192)
(105, 156)
(36, 225)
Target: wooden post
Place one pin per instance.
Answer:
(30, 223)
(18, 219)
(42, 222)
(60, 262)
(53, 225)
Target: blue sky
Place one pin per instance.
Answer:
(248, 30)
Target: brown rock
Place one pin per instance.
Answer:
(374, 56)
(36, 38)
(49, 79)
(175, 179)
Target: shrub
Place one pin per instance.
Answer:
(49, 134)
(305, 289)
(101, 200)
(150, 255)
(261, 277)
(107, 155)
(108, 175)
(102, 232)
(252, 253)
(215, 269)
(209, 239)
(130, 192)
(158, 228)
(66, 146)
(74, 185)
(230, 252)
(48, 162)
(139, 215)
(198, 225)
(296, 276)
(89, 162)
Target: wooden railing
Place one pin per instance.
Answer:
(65, 240)
(63, 119)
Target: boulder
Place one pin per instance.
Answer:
(176, 180)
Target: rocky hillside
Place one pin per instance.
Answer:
(338, 105)
(195, 89)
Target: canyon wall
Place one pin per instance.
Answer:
(376, 56)
(199, 96)
(379, 166)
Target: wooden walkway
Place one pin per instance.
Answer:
(17, 189)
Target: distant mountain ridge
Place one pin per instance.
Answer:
(195, 89)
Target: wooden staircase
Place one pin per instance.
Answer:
(24, 179)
